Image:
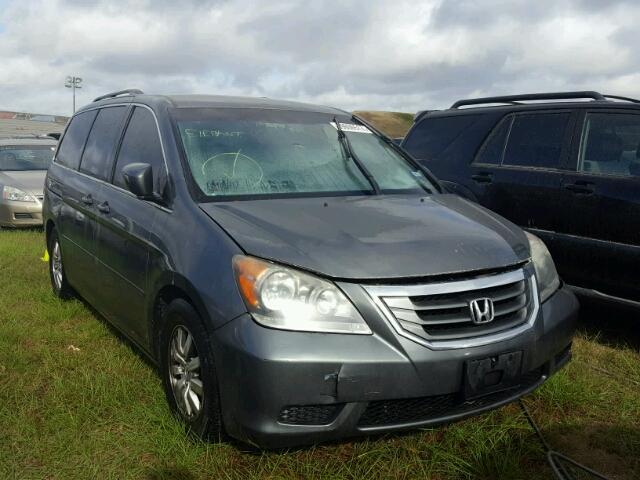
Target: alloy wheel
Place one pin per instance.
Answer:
(56, 265)
(184, 372)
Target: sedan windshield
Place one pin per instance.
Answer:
(251, 152)
(25, 157)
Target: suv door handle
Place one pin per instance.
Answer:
(583, 188)
(104, 207)
(87, 199)
(482, 177)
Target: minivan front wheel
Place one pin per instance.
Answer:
(184, 372)
(56, 268)
(188, 371)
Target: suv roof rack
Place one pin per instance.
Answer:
(626, 99)
(513, 99)
(129, 91)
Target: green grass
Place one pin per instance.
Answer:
(77, 402)
(392, 124)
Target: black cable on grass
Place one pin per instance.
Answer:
(535, 427)
(563, 467)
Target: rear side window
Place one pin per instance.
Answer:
(536, 140)
(141, 144)
(492, 150)
(97, 156)
(70, 149)
(432, 136)
(611, 144)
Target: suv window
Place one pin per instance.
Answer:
(70, 149)
(141, 143)
(433, 135)
(96, 159)
(493, 149)
(611, 144)
(536, 140)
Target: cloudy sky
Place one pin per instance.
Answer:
(383, 55)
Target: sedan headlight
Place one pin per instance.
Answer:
(548, 281)
(16, 195)
(288, 299)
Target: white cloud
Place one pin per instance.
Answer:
(384, 54)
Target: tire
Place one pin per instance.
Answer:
(191, 394)
(59, 284)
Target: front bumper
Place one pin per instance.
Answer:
(20, 214)
(275, 384)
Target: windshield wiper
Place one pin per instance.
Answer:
(348, 152)
(400, 151)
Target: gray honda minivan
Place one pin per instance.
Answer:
(295, 276)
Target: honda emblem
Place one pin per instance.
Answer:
(481, 310)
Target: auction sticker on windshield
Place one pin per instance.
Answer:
(351, 127)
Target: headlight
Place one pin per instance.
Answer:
(285, 298)
(548, 281)
(16, 195)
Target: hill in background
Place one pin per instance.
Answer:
(392, 124)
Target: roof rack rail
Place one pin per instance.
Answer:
(129, 91)
(510, 99)
(626, 99)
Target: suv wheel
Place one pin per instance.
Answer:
(59, 284)
(188, 371)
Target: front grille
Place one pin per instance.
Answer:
(441, 311)
(409, 410)
(22, 216)
(309, 414)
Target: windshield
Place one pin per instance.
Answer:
(26, 157)
(251, 152)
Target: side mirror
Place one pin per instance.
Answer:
(139, 180)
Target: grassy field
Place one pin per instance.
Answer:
(77, 402)
(392, 124)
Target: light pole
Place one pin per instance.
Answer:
(73, 83)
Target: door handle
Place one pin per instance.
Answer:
(582, 189)
(53, 185)
(87, 199)
(482, 177)
(104, 207)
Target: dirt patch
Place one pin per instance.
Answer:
(584, 443)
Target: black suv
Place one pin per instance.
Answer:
(295, 275)
(564, 168)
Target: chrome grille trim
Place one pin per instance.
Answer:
(395, 304)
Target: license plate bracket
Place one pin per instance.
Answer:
(492, 374)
